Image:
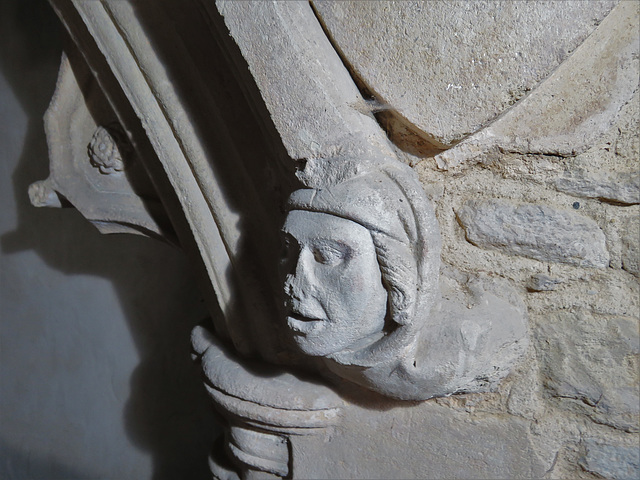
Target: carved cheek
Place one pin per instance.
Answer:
(358, 283)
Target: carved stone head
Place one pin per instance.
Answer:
(360, 266)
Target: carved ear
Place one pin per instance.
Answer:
(398, 268)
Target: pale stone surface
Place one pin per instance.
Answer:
(593, 360)
(535, 231)
(575, 105)
(616, 462)
(542, 283)
(456, 65)
(616, 187)
(420, 441)
(320, 115)
(630, 240)
(579, 378)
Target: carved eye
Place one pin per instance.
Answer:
(289, 247)
(331, 255)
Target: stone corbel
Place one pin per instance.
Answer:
(385, 323)
(377, 318)
(263, 407)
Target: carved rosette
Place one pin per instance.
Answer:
(109, 150)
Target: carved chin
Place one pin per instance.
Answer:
(311, 337)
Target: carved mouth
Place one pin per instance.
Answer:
(303, 325)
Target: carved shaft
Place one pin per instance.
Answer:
(114, 41)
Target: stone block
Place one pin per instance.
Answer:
(591, 364)
(621, 188)
(611, 461)
(534, 231)
(630, 240)
(417, 442)
(542, 283)
(456, 65)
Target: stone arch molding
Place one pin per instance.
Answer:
(318, 246)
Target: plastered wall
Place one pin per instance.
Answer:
(95, 375)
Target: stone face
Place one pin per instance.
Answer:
(534, 231)
(631, 246)
(616, 187)
(575, 105)
(360, 264)
(456, 65)
(592, 360)
(418, 442)
(611, 461)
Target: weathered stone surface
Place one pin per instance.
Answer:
(611, 461)
(418, 442)
(614, 187)
(575, 105)
(321, 117)
(630, 240)
(534, 231)
(593, 360)
(542, 283)
(456, 65)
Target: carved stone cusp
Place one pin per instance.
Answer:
(80, 123)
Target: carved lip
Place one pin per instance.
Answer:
(303, 325)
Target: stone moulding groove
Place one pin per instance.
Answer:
(147, 87)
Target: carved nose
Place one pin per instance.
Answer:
(297, 284)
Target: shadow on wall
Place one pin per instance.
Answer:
(167, 411)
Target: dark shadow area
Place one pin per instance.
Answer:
(20, 464)
(244, 151)
(168, 413)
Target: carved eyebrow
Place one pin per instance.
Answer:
(345, 250)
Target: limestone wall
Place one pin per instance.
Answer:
(552, 207)
(564, 232)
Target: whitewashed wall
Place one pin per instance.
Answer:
(95, 375)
